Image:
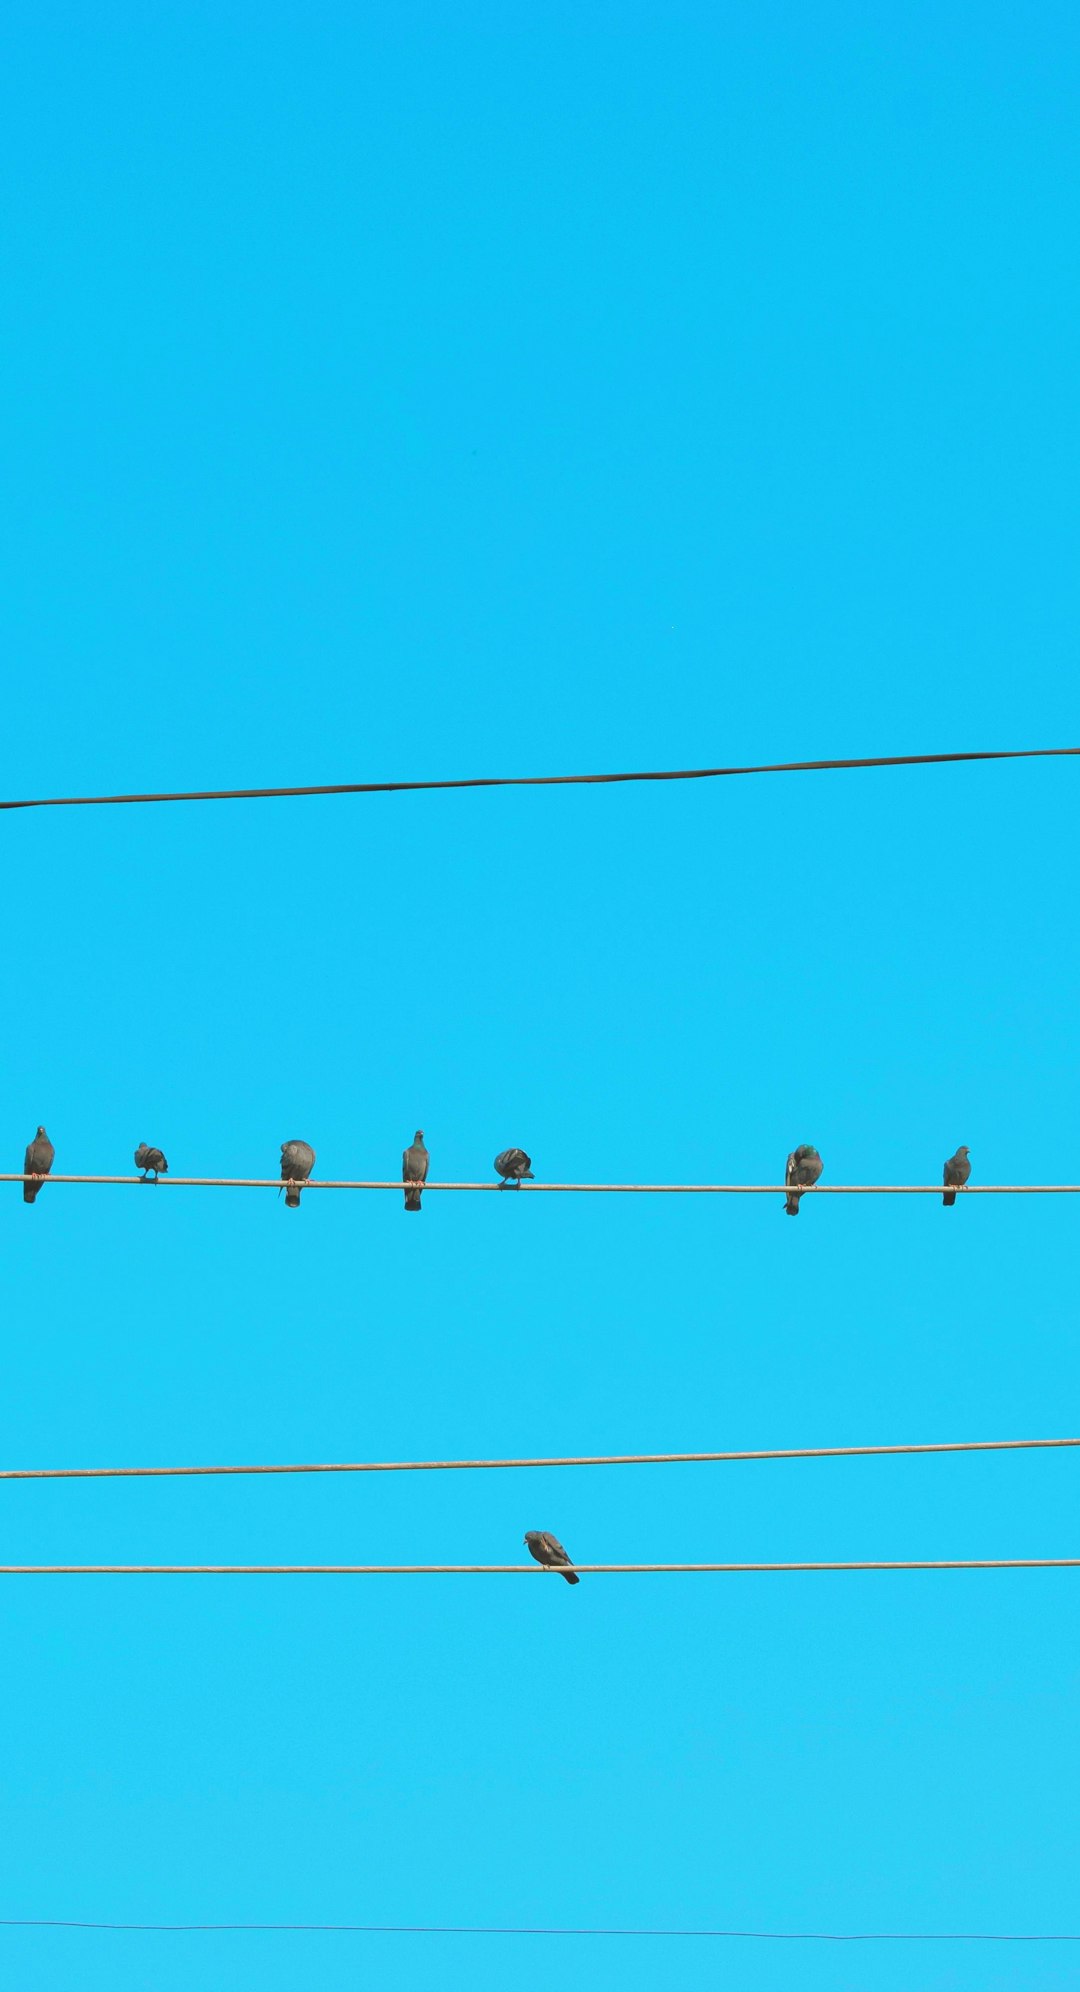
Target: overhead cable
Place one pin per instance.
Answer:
(533, 1930)
(513, 1569)
(578, 1189)
(542, 781)
(582, 1459)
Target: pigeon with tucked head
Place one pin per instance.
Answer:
(297, 1163)
(514, 1166)
(803, 1167)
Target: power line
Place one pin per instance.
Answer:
(507, 1930)
(582, 1189)
(541, 781)
(512, 1569)
(583, 1459)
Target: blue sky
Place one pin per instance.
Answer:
(405, 391)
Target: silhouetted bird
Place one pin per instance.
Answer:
(297, 1163)
(512, 1165)
(803, 1166)
(150, 1158)
(956, 1172)
(548, 1550)
(414, 1168)
(38, 1161)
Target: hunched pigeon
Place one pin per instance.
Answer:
(548, 1550)
(297, 1163)
(803, 1166)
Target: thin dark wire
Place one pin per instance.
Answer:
(543, 781)
(582, 1459)
(504, 1930)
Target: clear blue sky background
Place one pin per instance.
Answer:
(407, 391)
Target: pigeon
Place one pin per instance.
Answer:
(297, 1163)
(548, 1550)
(414, 1168)
(956, 1172)
(512, 1165)
(150, 1158)
(39, 1160)
(803, 1166)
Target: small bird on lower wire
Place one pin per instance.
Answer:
(548, 1550)
(40, 1156)
(414, 1168)
(514, 1166)
(803, 1167)
(297, 1163)
(955, 1174)
(150, 1158)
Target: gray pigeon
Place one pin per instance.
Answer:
(39, 1160)
(297, 1163)
(956, 1172)
(803, 1166)
(548, 1550)
(513, 1165)
(414, 1168)
(150, 1158)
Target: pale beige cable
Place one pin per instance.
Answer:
(578, 1459)
(509, 1569)
(585, 1189)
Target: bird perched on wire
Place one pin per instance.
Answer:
(414, 1168)
(514, 1166)
(803, 1167)
(548, 1550)
(297, 1163)
(150, 1158)
(39, 1159)
(955, 1175)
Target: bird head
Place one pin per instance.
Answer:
(419, 1135)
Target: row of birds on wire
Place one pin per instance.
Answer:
(511, 1165)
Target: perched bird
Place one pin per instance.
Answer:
(803, 1166)
(39, 1160)
(956, 1172)
(414, 1168)
(513, 1165)
(548, 1550)
(150, 1158)
(297, 1163)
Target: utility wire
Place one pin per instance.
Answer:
(542, 781)
(504, 1930)
(585, 1189)
(584, 1459)
(508, 1569)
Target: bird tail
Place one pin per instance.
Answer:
(792, 1204)
(412, 1199)
(527, 1176)
(29, 1191)
(571, 1576)
(292, 1196)
(949, 1197)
